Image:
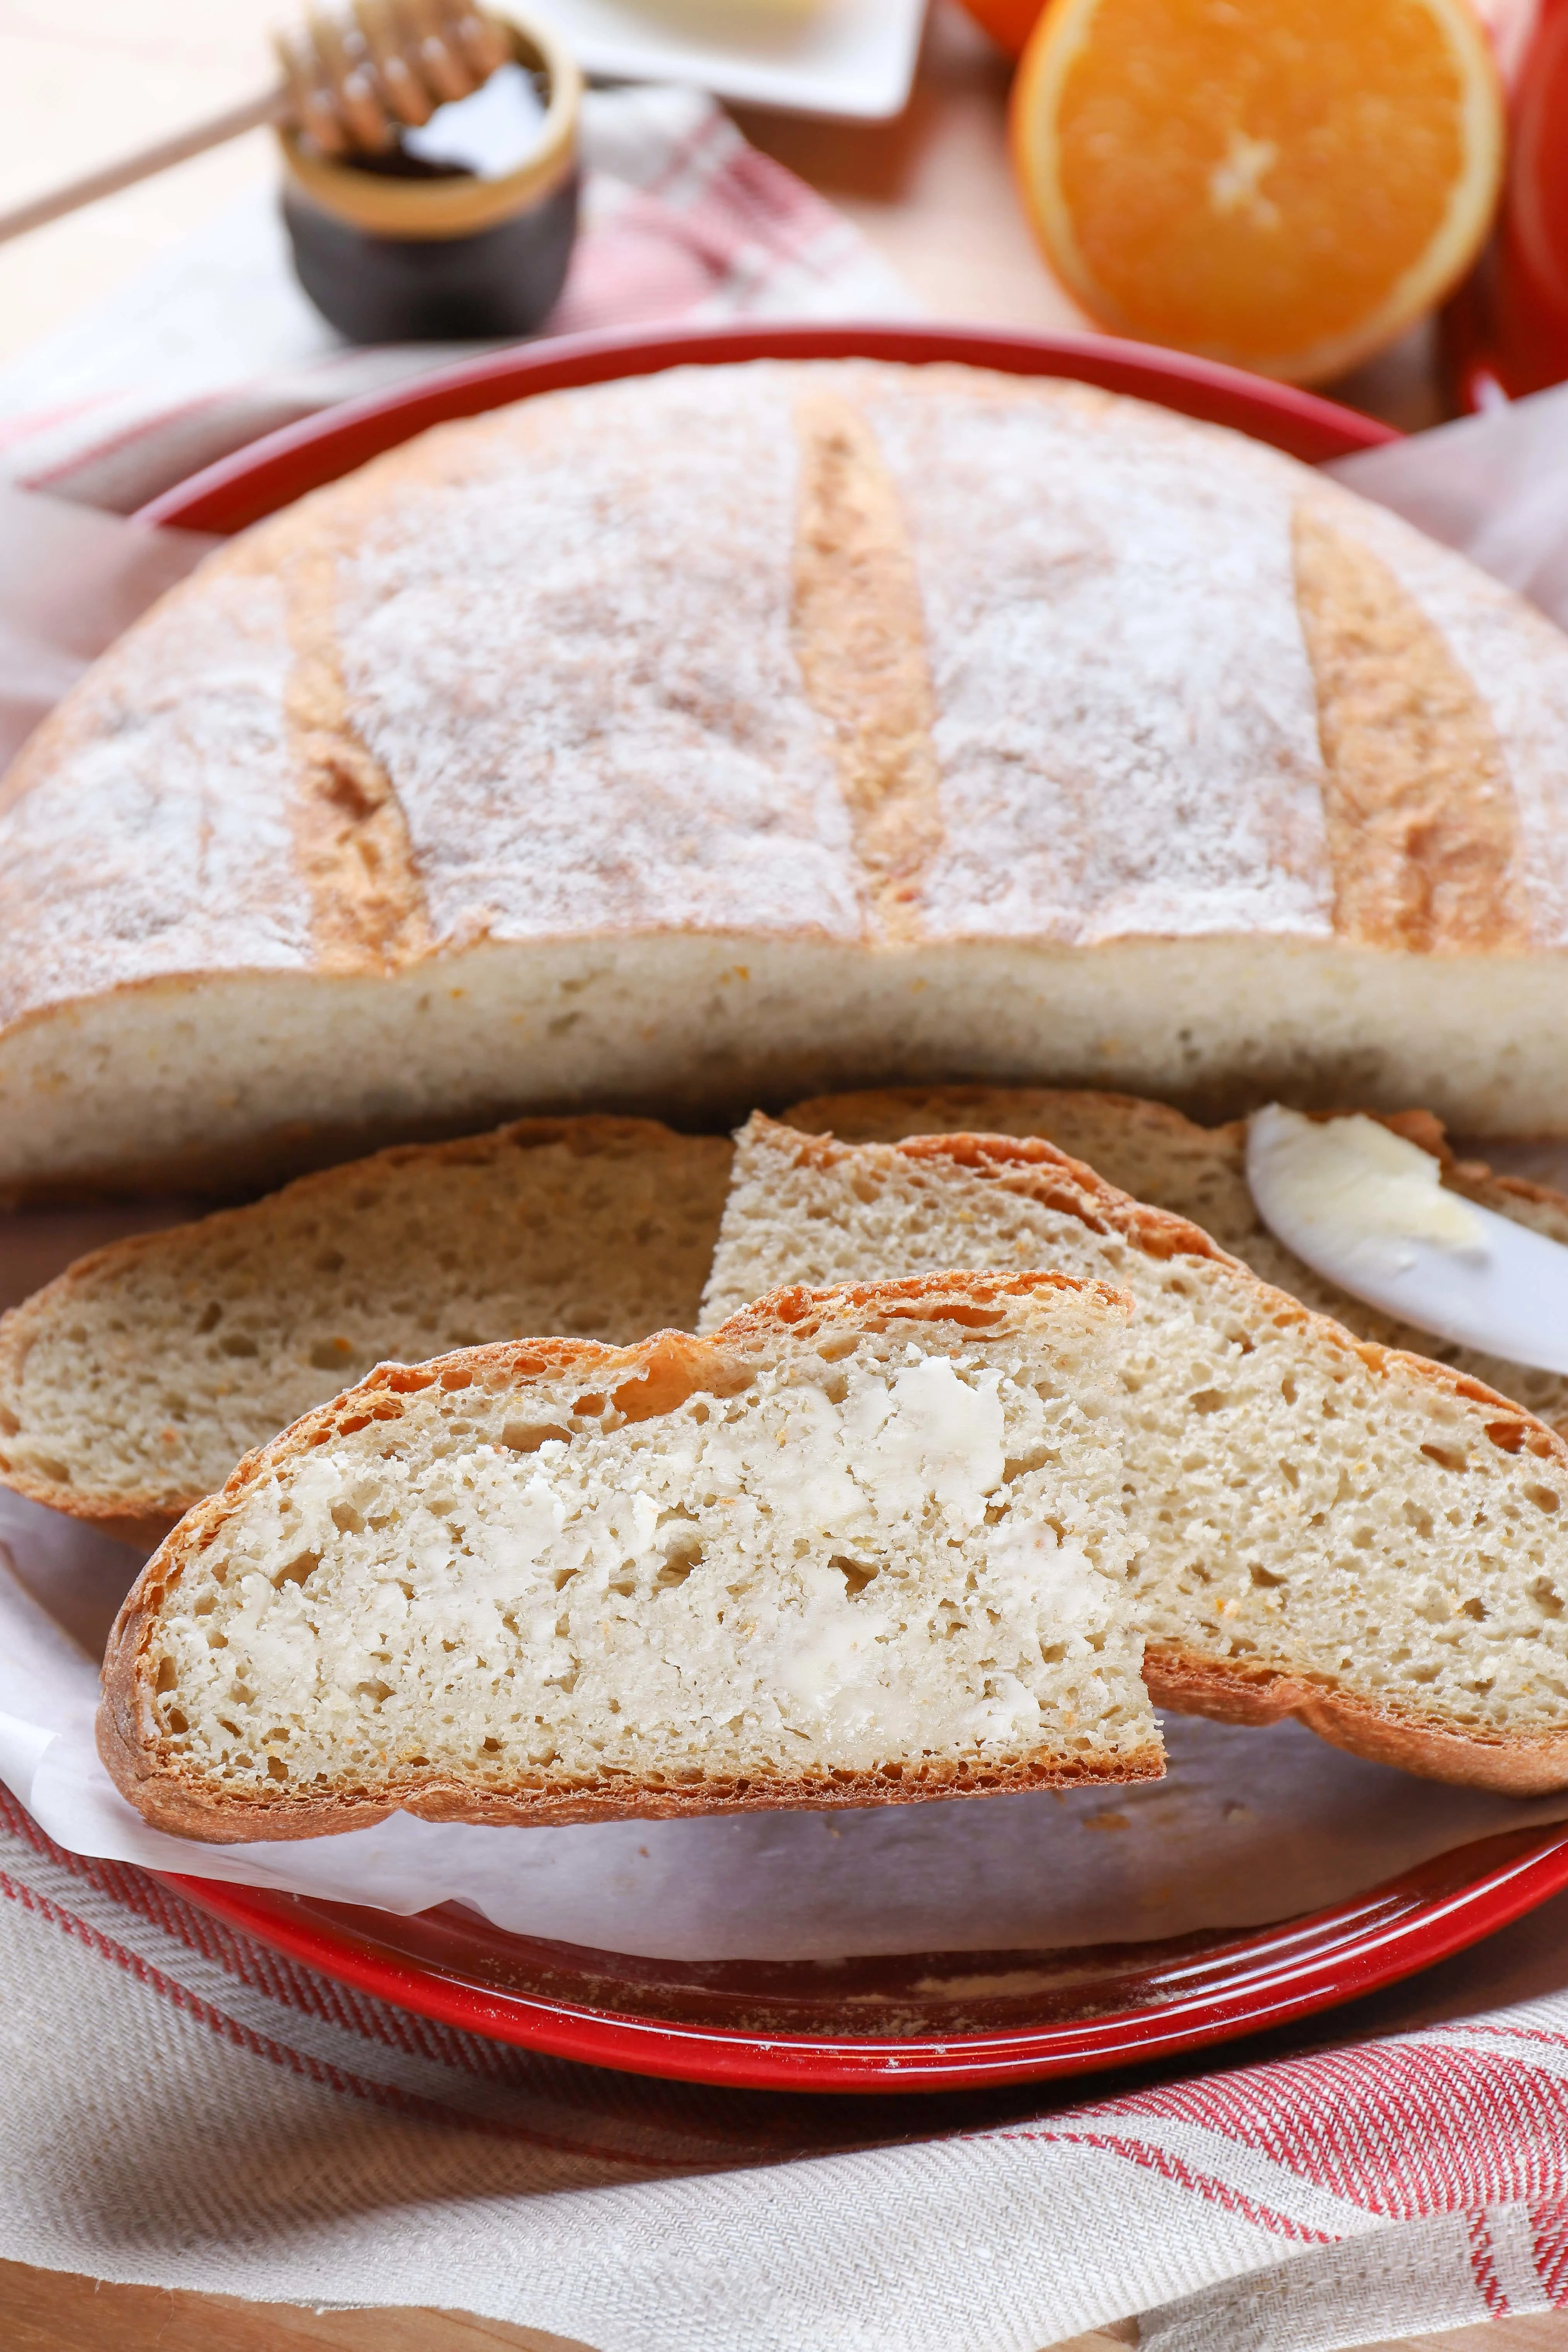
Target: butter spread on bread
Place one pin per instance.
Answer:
(1321, 1526)
(856, 1547)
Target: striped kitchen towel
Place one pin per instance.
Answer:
(182, 2107)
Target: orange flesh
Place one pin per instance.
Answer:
(1297, 178)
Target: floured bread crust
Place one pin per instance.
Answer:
(856, 1548)
(708, 738)
(1322, 1527)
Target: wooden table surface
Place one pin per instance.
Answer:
(44, 2311)
(83, 79)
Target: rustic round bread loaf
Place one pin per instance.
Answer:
(703, 739)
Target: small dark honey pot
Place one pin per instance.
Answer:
(402, 245)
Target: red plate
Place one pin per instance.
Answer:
(921, 2021)
(917, 2021)
(257, 480)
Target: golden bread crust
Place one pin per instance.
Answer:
(1510, 1764)
(401, 744)
(188, 1812)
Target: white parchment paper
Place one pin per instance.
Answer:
(71, 580)
(1249, 1826)
(1495, 487)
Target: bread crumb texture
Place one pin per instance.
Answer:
(859, 1549)
(131, 1387)
(1151, 1151)
(1312, 1519)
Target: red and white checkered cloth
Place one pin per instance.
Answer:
(183, 2108)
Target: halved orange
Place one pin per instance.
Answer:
(1283, 183)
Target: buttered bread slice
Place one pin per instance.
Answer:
(856, 1548)
(1321, 1526)
(131, 1387)
(1151, 1151)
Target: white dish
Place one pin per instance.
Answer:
(1364, 1208)
(852, 58)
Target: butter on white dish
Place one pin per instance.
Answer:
(853, 58)
(1369, 1210)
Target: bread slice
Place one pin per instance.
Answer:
(1151, 1151)
(856, 1548)
(131, 1387)
(1321, 1527)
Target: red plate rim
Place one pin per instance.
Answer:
(1273, 1974)
(268, 474)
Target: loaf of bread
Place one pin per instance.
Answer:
(854, 1548)
(131, 1387)
(1199, 1173)
(709, 738)
(1321, 1526)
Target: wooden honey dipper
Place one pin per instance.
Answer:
(349, 80)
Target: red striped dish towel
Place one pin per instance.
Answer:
(186, 2109)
